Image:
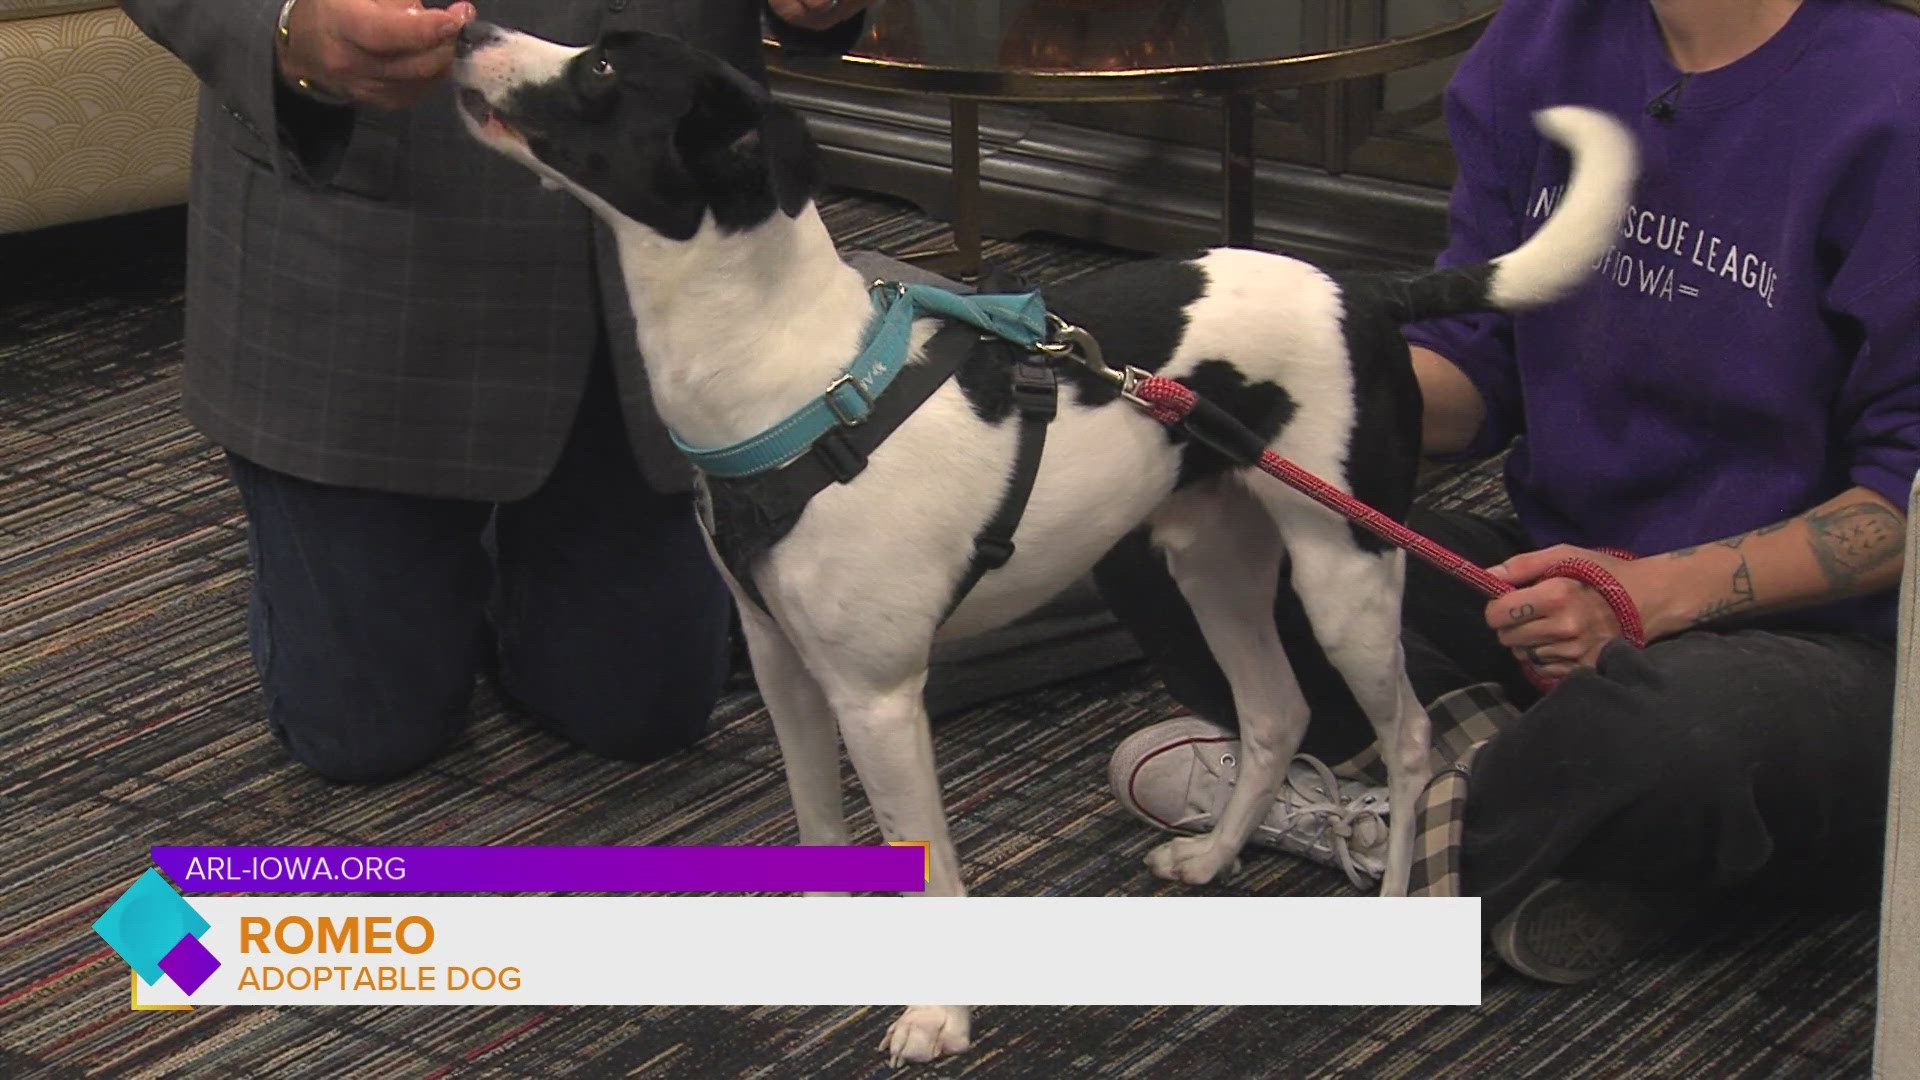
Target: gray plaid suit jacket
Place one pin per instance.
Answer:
(375, 300)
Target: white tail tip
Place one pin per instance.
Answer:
(1556, 259)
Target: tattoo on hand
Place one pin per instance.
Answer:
(1741, 599)
(1851, 540)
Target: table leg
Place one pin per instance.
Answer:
(966, 184)
(963, 259)
(1236, 170)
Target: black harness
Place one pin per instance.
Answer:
(747, 516)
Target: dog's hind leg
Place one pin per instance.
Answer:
(803, 724)
(1225, 554)
(1352, 597)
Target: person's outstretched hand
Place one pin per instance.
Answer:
(384, 53)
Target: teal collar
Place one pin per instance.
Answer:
(1019, 317)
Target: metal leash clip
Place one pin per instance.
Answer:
(1074, 343)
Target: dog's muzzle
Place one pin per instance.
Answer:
(473, 35)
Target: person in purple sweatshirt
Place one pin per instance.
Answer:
(1735, 399)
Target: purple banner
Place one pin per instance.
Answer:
(321, 869)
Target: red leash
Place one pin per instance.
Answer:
(1171, 403)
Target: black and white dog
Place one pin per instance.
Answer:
(746, 313)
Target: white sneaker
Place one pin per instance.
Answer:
(1178, 773)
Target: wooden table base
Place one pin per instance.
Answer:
(962, 259)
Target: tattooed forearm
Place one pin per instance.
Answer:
(1855, 539)
(1848, 541)
(1734, 542)
(1740, 598)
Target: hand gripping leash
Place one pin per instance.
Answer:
(1177, 406)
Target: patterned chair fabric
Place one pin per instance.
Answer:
(94, 118)
(34, 9)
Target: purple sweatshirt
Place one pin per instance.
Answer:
(1750, 347)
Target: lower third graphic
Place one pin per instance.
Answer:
(158, 933)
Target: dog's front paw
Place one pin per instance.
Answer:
(1194, 860)
(925, 1032)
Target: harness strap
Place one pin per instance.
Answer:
(849, 400)
(1036, 397)
(749, 514)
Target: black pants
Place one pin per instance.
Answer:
(372, 612)
(1708, 761)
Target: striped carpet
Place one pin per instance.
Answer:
(131, 719)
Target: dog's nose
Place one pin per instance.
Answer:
(473, 35)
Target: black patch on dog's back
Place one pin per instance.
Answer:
(1383, 448)
(1136, 311)
(1263, 408)
(987, 381)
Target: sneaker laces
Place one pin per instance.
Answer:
(1336, 819)
(1307, 820)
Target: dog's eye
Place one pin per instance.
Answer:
(597, 85)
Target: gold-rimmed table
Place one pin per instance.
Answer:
(970, 51)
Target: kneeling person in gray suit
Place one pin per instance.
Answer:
(422, 369)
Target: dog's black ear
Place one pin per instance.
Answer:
(748, 152)
(725, 109)
(793, 164)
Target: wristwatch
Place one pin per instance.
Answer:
(282, 38)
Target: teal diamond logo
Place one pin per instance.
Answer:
(147, 922)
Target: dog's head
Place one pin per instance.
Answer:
(654, 130)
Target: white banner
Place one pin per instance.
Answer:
(746, 950)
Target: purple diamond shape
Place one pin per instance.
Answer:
(189, 964)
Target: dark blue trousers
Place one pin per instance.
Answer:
(372, 612)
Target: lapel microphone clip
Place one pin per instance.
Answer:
(1667, 102)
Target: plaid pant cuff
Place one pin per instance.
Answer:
(1462, 719)
(1463, 722)
(1438, 826)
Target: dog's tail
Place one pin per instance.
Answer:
(1561, 254)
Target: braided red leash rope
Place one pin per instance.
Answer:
(1169, 402)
